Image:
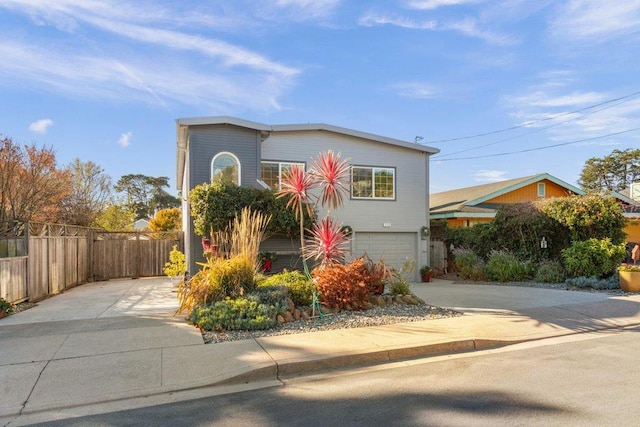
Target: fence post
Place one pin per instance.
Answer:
(90, 236)
(138, 255)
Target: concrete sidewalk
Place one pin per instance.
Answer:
(118, 340)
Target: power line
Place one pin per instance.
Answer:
(527, 124)
(524, 134)
(543, 147)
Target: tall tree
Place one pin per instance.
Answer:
(115, 218)
(614, 172)
(166, 220)
(32, 186)
(145, 195)
(91, 191)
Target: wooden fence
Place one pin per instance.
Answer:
(132, 254)
(44, 259)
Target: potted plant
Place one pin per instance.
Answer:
(426, 273)
(629, 277)
(266, 261)
(176, 266)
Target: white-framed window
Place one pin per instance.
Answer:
(271, 172)
(368, 182)
(225, 167)
(542, 189)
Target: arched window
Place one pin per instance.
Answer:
(225, 167)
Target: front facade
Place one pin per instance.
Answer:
(388, 205)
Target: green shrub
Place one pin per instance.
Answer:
(400, 287)
(468, 264)
(520, 227)
(594, 283)
(299, 287)
(214, 205)
(550, 272)
(218, 279)
(235, 314)
(588, 217)
(5, 306)
(272, 296)
(480, 238)
(503, 266)
(593, 258)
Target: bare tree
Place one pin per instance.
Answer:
(90, 194)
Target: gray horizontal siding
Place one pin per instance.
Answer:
(207, 141)
(204, 143)
(408, 213)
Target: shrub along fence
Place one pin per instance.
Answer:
(38, 260)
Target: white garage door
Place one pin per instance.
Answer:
(395, 248)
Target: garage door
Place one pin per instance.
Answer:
(395, 248)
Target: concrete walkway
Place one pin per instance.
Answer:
(118, 340)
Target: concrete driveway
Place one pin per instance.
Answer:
(149, 297)
(482, 298)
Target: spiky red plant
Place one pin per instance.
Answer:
(328, 242)
(295, 184)
(332, 175)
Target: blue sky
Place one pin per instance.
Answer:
(104, 80)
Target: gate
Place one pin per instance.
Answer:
(132, 254)
(438, 257)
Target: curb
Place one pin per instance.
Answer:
(368, 358)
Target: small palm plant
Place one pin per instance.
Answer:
(328, 242)
(330, 174)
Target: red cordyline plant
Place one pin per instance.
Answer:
(328, 242)
(332, 175)
(296, 184)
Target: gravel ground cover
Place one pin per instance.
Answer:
(376, 316)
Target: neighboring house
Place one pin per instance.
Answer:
(465, 207)
(388, 205)
(468, 206)
(141, 224)
(630, 198)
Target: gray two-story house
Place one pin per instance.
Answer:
(388, 208)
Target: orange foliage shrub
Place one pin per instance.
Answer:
(344, 286)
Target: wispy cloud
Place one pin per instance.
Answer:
(434, 4)
(125, 139)
(595, 20)
(416, 90)
(40, 126)
(469, 27)
(303, 10)
(489, 175)
(126, 70)
(372, 18)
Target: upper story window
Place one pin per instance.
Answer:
(225, 167)
(542, 189)
(271, 173)
(373, 183)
